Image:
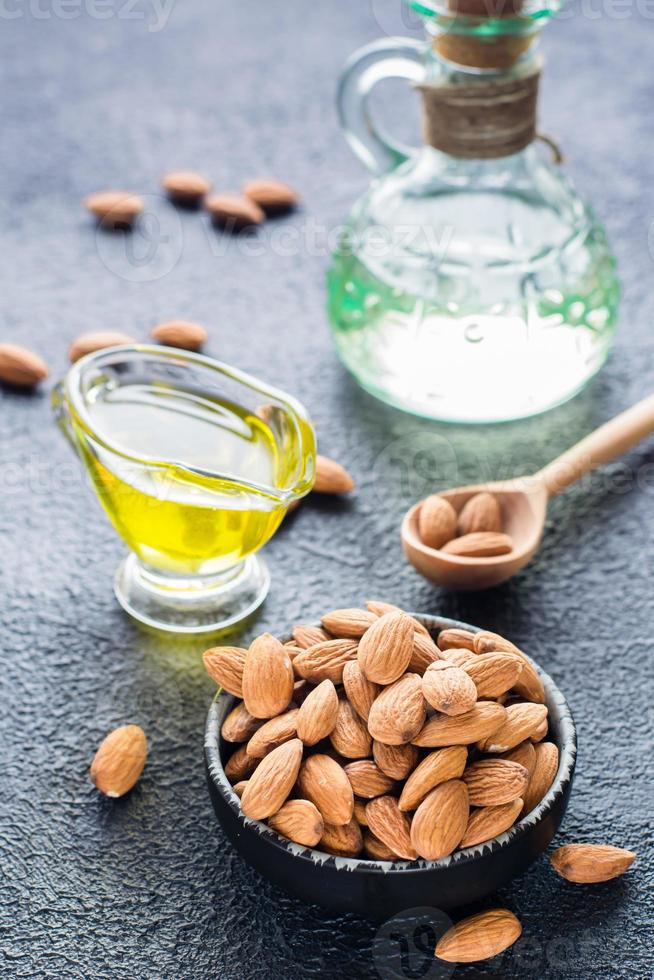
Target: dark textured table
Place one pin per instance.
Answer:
(147, 887)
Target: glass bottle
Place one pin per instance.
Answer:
(467, 287)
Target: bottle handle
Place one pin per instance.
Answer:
(394, 57)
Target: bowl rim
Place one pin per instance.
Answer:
(565, 771)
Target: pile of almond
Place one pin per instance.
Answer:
(475, 532)
(363, 736)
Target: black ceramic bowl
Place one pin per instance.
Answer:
(379, 889)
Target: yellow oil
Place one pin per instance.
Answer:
(163, 496)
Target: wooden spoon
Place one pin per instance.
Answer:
(523, 502)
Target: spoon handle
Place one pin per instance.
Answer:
(601, 446)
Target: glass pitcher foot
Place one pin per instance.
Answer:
(195, 604)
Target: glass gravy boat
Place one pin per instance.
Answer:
(195, 464)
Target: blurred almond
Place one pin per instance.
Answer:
(492, 782)
(440, 821)
(485, 718)
(120, 760)
(386, 647)
(318, 713)
(325, 783)
(392, 827)
(437, 767)
(180, 333)
(367, 779)
(331, 477)
(448, 688)
(589, 864)
(114, 209)
(21, 367)
(272, 733)
(88, 343)
(234, 212)
(185, 187)
(482, 544)
(480, 513)
(299, 821)
(360, 692)
(273, 196)
(309, 636)
(272, 781)
(489, 822)
(267, 677)
(224, 665)
(436, 521)
(398, 714)
(479, 937)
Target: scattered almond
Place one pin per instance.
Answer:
(273, 196)
(331, 477)
(479, 937)
(300, 821)
(89, 343)
(589, 864)
(185, 187)
(180, 333)
(234, 212)
(114, 209)
(120, 760)
(21, 367)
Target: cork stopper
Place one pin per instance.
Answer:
(499, 53)
(490, 35)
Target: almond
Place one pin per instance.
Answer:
(456, 639)
(437, 767)
(398, 714)
(273, 733)
(272, 781)
(546, 765)
(396, 761)
(239, 725)
(234, 212)
(224, 665)
(240, 765)
(331, 477)
(494, 674)
(588, 864)
(482, 544)
(448, 688)
(114, 209)
(325, 660)
(88, 343)
(492, 782)
(424, 653)
(348, 623)
(367, 779)
(349, 736)
(489, 822)
(267, 677)
(325, 783)
(20, 367)
(385, 648)
(440, 821)
(521, 720)
(343, 840)
(480, 513)
(487, 642)
(318, 713)
(360, 811)
(359, 690)
(525, 754)
(436, 521)
(119, 761)
(458, 656)
(381, 608)
(299, 821)
(180, 333)
(540, 732)
(376, 850)
(485, 718)
(239, 787)
(479, 937)
(309, 636)
(392, 827)
(185, 187)
(529, 685)
(272, 195)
